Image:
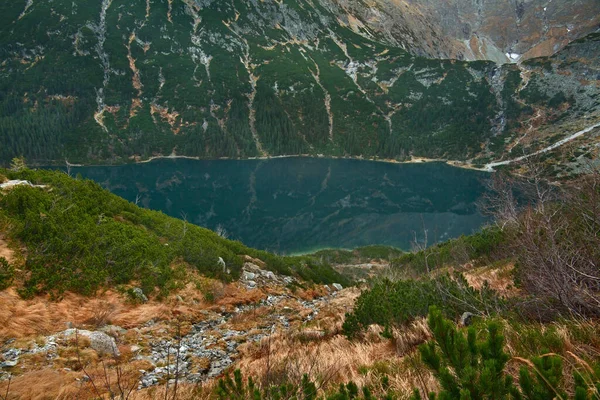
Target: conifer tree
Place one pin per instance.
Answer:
(467, 369)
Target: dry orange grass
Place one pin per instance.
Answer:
(500, 279)
(319, 350)
(235, 295)
(185, 391)
(41, 316)
(407, 339)
(311, 293)
(22, 318)
(330, 360)
(46, 384)
(6, 251)
(91, 382)
(249, 319)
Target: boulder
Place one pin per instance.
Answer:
(268, 274)
(103, 344)
(251, 267)
(99, 341)
(248, 276)
(466, 319)
(139, 295)
(9, 363)
(337, 286)
(254, 261)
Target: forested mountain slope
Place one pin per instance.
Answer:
(116, 81)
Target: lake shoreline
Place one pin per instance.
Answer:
(413, 160)
(297, 206)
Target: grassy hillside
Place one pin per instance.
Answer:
(115, 81)
(80, 237)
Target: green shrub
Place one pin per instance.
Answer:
(484, 246)
(396, 303)
(239, 388)
(475, 368)
(465, 368)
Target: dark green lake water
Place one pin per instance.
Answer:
(296, 205)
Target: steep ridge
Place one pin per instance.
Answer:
(118, 81)
(501, 31)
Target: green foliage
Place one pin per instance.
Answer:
(55, 84)
(531, 340)
(80, 237)
(468, 367)
(484, 246)
(396, 303)
(240, 389)
(7, 272)
(358, 255)
(18, 164)
(465, 368)
(545, 381)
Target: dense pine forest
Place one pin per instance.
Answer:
(114, 82)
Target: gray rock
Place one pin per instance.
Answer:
(248, 276)
(99, 341)
(466, 319)
(9, 363)
(11, 354)
(251, 284)
(251, 266)
(337, 286)
(268, 274)
(139, 295)
(222, 264)
(103, 344)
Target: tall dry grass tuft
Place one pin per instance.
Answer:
(102, 314)
(328, 360)
(41, 316)
(6, 251)
(235, 295)
(46, 384)
(186, 391)
(499, 278)
(408, 338)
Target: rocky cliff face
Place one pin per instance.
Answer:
(497, 30)
(114, 81)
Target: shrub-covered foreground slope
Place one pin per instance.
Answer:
(113, 81)
(80, 237)
(530, 284)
